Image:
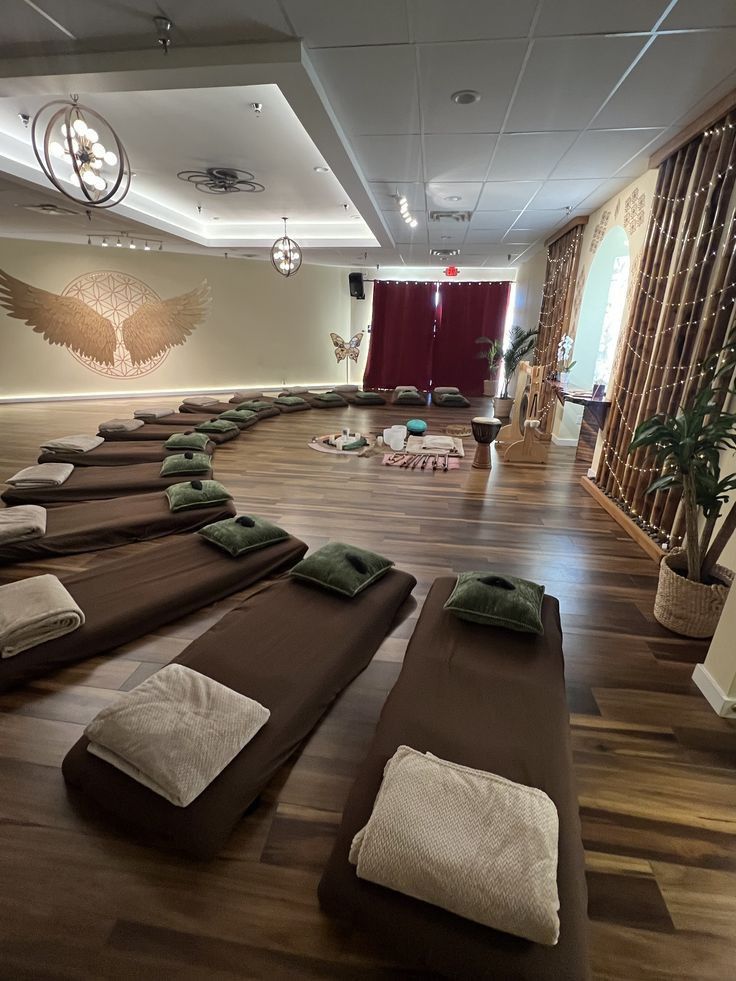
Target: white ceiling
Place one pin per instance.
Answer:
(575, 95)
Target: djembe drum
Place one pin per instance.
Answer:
(485, 429)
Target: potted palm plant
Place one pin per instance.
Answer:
(520, 344)
(692, 587)
(492, 356)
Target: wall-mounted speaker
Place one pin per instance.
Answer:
(356, 286)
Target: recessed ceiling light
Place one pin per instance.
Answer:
(321, 170)
(465, 97)
(453, 197)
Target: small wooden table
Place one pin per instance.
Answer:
(595, 413)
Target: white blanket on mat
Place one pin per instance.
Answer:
(33, 611)
(22, 524)
(79, 443)
(42, 475)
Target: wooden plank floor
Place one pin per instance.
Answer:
(655, 767)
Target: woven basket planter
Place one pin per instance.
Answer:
(686, 607)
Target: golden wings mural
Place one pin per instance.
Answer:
(146, 333)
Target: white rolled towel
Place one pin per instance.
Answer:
(469, 841)
(79, 443)
(145, 414)
(246, 394)
(33, 611)
(120, 425)
(200, 400)
(22, 523)
(447, 390)
(175, 732)
(405, 388)
(42, 475)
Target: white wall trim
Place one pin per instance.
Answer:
(716, 697)
(561, 441)
(179, 392)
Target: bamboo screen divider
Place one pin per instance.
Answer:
(563, 256)
(682, 311)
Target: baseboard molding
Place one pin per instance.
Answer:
(632, 530)
(716, 697)
(561, 441)
(165, 393)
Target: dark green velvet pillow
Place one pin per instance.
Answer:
(369, 397)
(185, 463)
(341, 568)
(329, 397)
(289, 400)
(187, 441)
(412, 398)
(244, 413)
(255, 405)
(498, 601)
(239, 418)
(196, 494)
(451, 398)
(243, 534)
(215, 426)
(356, 444)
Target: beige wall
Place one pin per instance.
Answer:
(261, 330)
(630, 210)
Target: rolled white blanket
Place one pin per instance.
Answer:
(246, 394)
(200, 400)
(152, 413)
(468, 841)
(120, 425)
(175, 732)
(42, 475)
(78, 443)
(33, 611)
(446, 390)
(22, 524)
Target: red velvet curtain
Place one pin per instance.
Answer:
(402, 334)
(466, 311)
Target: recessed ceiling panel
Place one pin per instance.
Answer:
(389, 158)
(701, 13)
(567, 80)
(507, 195)
(453, 197)
(676, 71)
(372, 90)
(452, 157)
(493, 220)
(594, 17)
(528, 156)
(469, 20)
(564, 194)
(600, 153)
(331, 23)
(488, 67)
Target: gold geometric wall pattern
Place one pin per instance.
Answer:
(111, 322)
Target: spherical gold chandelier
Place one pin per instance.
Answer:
(80, 153)
(286, 255)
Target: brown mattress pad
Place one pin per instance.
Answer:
(296, 673)
(162, 432)
(127, 597)
(488, 698)
(115, 454)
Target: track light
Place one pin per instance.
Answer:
(104, 243)
(118, 244)
(146, 247)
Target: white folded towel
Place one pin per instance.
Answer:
(447, 390)
(120, 425)
(152, 413)
(443, 443)
(200, 400)
(175, 732)
(42, 475)
(405, 388)
(468, 841)
(79, 443)
(22, 524)
(33, 611)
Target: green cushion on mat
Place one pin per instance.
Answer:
(215, 426)
(196, 494)
(255, 405)
(289, 400)
(242, 412)
(236, 536)
(233, 415)
(452, 399)
(369, 397)
(498, 601)
(329, 397)
(412, 397)
(187, 441)
(184, 463)
(341, 568)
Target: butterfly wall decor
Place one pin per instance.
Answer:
(347, 349)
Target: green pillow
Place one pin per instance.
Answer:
(498, 601)
(187, 441)
(255, 405)
(216, 426)
(239, 418)
(289, 400)
(244, 414)
(243, 534)
(341, 568)
(452, 398)
(196, 494)
(184, 463)
(356, 444)
(413, 397)
(369, 397)
(329, 397)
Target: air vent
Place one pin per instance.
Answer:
(49, 209)
(447, 216)
(444, 253)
